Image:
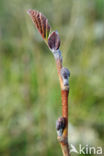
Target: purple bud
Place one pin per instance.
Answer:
(54, 41)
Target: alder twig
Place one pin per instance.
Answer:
(53, 42)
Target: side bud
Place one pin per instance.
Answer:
(54, 41)
(65, 76)
(60, 126)
(54, 44)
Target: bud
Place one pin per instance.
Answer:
(54, 41)
(65, 76)
(60, 125)
(65, 72)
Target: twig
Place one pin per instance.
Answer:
(53, 42)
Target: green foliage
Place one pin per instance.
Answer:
(29, 88)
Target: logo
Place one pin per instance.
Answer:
(86, 149)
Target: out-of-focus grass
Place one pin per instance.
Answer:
(30, 99)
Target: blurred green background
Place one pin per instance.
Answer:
(30, 99)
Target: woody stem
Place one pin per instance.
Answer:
(63, 140)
